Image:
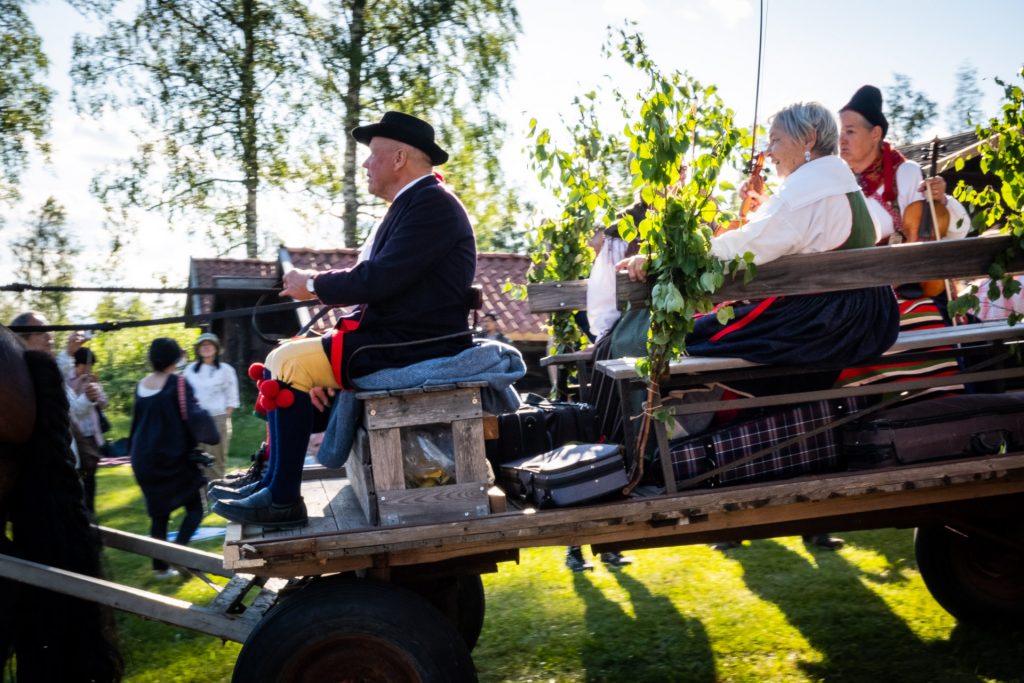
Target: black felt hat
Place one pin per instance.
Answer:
(404, 128)
(867, 102)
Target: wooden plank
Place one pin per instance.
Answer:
(468, 443)
(361, 477)
(125, 598)
(811, 273)
(952, 474)
(386, 456)
(498, 501)
(264, 601)
(348, 513)
(231, 596)
(179, 555)
(668, 531)
(419, 409)
(318, 507)
(320, 472)
(433, 503)
(567, 358)
(667, 474)
(827, 394)
(619, 368)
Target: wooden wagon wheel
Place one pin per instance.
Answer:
(349, 629)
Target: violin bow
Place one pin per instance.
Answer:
(756, 161)
(951, 294)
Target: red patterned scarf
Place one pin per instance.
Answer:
(882, 175)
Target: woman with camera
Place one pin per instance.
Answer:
(163, 443)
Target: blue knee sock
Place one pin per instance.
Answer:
(289, 433)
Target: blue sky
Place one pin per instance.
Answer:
(814, 49)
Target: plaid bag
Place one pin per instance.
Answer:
(695, 455)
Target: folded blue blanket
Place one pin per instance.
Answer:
(488, 361)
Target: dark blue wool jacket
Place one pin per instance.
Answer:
(415, 285)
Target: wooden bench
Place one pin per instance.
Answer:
(804, 274)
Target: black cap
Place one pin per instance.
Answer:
(867, 102)
(404, 128)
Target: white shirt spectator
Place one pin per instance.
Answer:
(216, 388)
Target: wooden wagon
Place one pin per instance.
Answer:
(384, 584)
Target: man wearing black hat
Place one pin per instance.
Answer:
(414, 286)
(890, 181)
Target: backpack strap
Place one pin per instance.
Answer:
(182, 408)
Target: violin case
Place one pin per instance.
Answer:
(952, 426)
(569, 475)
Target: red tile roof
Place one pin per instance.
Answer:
(493, 270)
(204, 272)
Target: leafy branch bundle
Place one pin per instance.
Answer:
(683, 138)
(1002, 155)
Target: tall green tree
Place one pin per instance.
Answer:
(909, 111)
(24, 97)
(964, 111)
(223, 89)
(46, 256)
(441, 59)
(588, 177)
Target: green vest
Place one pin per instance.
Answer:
(862, 232)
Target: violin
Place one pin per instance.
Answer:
(925, 221)
(755, 183)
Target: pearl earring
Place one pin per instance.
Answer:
(807, 155)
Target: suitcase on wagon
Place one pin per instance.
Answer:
(695, 455)
(935, 429)
(539, 426)
(568, 475)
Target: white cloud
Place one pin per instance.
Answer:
(619, 10)
(731, 12)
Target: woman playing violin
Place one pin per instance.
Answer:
(891, 182)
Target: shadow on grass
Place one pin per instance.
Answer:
(993, 655)
(658, 644)
(895, 545)
(854, 630)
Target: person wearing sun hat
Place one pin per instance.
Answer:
(413, 287)
(216, 387)
(890, 181)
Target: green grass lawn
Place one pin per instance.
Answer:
(769, 611)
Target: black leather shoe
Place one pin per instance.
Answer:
(722, 546)
(574, 560)
(223, 493)
(616, 559)
(824, 541)
(260, 510)
(237, 480)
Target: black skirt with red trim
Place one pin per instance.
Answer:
(832, 330)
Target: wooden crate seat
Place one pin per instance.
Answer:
(377, 469)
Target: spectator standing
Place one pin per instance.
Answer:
(66, 358)
(216, 387)
(91, 440)
(160, 446)
(79, 405)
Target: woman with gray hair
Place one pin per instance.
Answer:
(818, 207)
